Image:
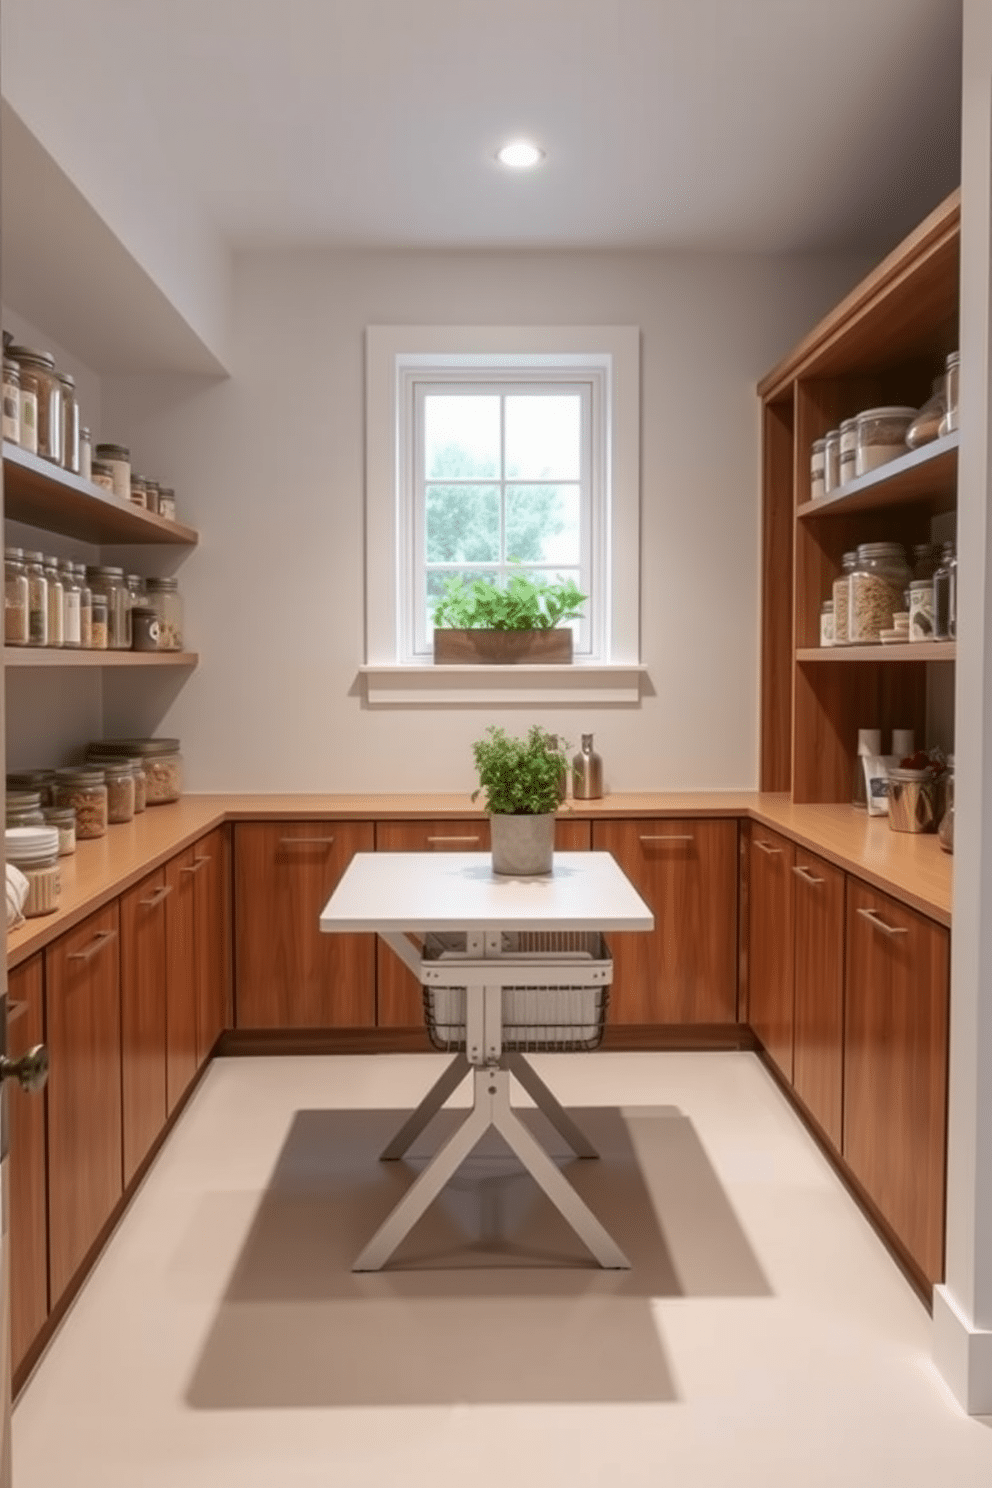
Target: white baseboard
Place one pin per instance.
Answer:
(962, 1354)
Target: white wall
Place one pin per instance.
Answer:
(269, 467)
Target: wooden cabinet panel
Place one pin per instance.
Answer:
(770, 962)
(686, 970)
(144, 994)
(83, 1031)
(819, 990)
(26, 1135)
(399, 999)
(895, 1070)
(180, 973)
(212, 914)
(289, 975)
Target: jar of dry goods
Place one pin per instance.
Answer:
(38, 376)
(85, 789)
(952, 369)
(85, 454)
(831, 467)
(70, 423)
(63, 819)
(848, 450)
(882, 436)
(99, 627)
(118, 457)
(34, 563)
(942, 594)
(108, 581)
(41, 781)
(85, 608)
(160, 759)
(921, 610)
(817, 464)
(165, 599)
(56, 596)
(151, 496)
(167, 503)
(24, 808)
(102, 474)
(35, 851)
(72, 635)
(11, 401)
(878, 582)
(842, 598)
(15, 605)
(120, 790)
(139, 495)
(827, 623)
(144, 628)
(926, 425)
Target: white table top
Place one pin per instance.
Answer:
(398, 891)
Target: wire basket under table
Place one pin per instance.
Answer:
(542, 1010)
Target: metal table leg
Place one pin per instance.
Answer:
(524, 1071)
(448, 1082)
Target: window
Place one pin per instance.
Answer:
(489, 447)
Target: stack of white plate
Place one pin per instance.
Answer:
(27, 847)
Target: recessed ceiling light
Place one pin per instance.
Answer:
(519, 155)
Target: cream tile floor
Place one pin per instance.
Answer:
(763, 1337)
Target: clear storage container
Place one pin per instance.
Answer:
(831, 467)
(878, 582)
(160, 759)
(848, 450)
(56, 603)
(120, 790)
(85, 789)
(70, 423)
(24, 809)
(35, 851)
(108, 582)
(921, 610)
(118, 458)
(882, 436)
(40, 781)
(85, 608)
(72, 634)
(942, 595)
(11, 401)
(165, 599)
(34, 564)
(15, 604)
(63, 819)
(39, 378)
(827, 623)
(85, 454)
(167, 503)
(102, 474)
(817, 467)
(926, 425)
(842, 598)
(952, 370)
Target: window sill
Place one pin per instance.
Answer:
(616, 684)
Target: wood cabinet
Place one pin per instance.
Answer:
(212, 919)
(180, 974)
(685, 971)
(28, 1234)
(399, 998)
(83, 1032)
(772, 946)
(818, 1064)
(895, 1067)
(144, 998)
(289, 975)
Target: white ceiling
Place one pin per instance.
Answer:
(742, 125)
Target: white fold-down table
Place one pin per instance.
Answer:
(507, 964)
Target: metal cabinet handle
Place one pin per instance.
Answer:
(157, 897)
(666, 837)
(100, 939)
(875, 919)
(806, 876)
(16, 1008)
(196, 864)
(305, 841)
(30, 1070)
(474, 838)
(766, 847)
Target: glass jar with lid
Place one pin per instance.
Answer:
(165, 599)
(72, 635)
(85, 454)
(41, 781)
(921, 610)
(817, 466)
(831, 465)
(84, 788)
(102, 474)
(160, 760)
(85, 607)
(878, 583)
(882, 436)
(952, 370)
(842, 598)
(56, 597)
(63, 819)
(34, 564)
(70, 423)
(167, 503)
(118, 457)
(848, 449)
(151, 496)
(24, 808)
(11, 401)
(15, 605)
(942, 594)
(107, 581)
(120, 790)
(35, 851)
(133, 763)
(38, 376)
(926, 425)
(139, 494)
(827, 623)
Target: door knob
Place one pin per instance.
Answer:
(30, 1070)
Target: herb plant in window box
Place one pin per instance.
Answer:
(522, 779)
(482, 622)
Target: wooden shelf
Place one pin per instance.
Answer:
(39, 656)
(897, 651)
(44, 495)
(927, 476)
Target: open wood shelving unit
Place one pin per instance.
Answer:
(883, 344)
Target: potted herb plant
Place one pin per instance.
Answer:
(522, 779)
(525, 621)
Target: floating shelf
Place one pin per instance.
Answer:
(44, 495)
(927, 476)
(39, 656)
(896, 652)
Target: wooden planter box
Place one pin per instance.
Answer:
(470, 647)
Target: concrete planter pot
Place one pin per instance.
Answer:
(501, 647)
(522, 846)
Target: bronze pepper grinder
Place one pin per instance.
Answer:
(587, 772)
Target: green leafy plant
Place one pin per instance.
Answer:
(521, 777)
(525, 604)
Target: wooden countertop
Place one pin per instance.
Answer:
(911, 868)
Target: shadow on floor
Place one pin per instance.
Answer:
(491, 1298)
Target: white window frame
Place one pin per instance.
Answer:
(609, 358)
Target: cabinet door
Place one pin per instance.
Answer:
(83, 1024)
(212, 909)
(399, 998)
(685, 971)
(819, 998)
(144, 994)
(180, 972)
(895, 1066)
(26, 1134)
(289, 975)
(772, 973)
